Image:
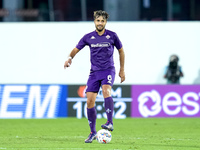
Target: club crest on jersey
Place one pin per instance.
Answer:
(107, 36)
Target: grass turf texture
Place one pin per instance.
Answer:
(130, 133)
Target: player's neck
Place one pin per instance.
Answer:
(100, 32)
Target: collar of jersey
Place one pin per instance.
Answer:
(102, 34)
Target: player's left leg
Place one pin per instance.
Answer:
(109, 107)
(107, 82)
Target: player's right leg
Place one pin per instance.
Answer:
(91, 113)
(92, 89)
(91, 137)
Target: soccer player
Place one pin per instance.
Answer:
(102, 72)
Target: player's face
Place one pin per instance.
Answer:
(100, 23)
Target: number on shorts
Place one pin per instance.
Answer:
(109, 77)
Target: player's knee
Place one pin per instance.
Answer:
(90, 103)
(106, 92)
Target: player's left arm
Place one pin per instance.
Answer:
(121, 59)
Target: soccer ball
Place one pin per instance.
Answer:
(104, 136)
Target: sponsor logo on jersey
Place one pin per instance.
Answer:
(104, 44)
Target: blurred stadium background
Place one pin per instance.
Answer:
(82, 10)
(37, 35)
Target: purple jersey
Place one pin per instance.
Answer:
(101, 49)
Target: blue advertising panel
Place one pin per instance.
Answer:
(33, 101)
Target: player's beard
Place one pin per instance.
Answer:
(99, 30)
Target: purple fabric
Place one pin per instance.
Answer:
(98, 78)
(109, 106)
(91, 113)
(101, 49)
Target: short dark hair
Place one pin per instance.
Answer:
(99, 13)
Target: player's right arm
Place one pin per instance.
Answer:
(81, 44)
(68, 62)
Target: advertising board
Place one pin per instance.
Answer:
(33, 101)
(53, 101)
(77, 106)
(165, 101)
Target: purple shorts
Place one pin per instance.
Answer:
(99, 78)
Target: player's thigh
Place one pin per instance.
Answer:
(93, 83)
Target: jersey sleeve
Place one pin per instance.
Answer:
(82, 43)
(117, 41)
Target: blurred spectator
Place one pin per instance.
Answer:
(173, 71)
(197, 80)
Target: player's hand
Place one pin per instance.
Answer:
(122, 75)
(67, 63)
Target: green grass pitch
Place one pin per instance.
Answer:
(130, 133)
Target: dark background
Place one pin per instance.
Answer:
(82, 10)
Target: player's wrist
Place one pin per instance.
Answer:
(70, 57)
(121, 69)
